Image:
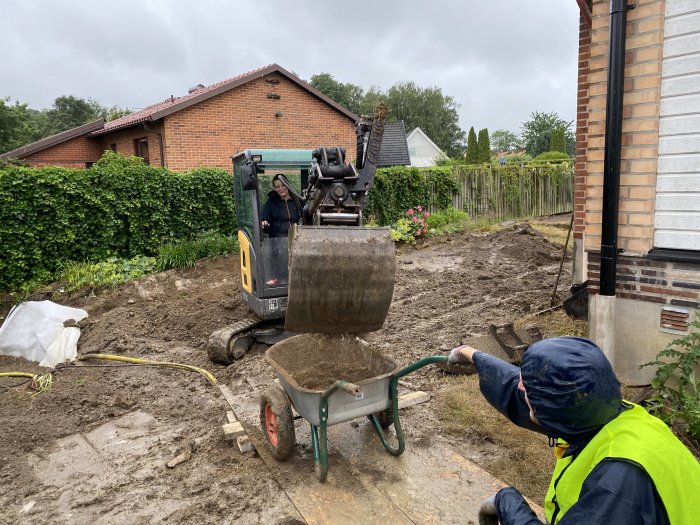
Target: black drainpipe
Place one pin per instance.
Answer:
(160, 140)
(613, 145)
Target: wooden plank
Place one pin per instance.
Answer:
(680, 105)
(677, 240)
(233, 430)
(679, 144)
(413, 398)
(682, 25)
(231, 417)
(682, 45)
(679, 164)
(680, 7)
(682, 85)
(686, 221)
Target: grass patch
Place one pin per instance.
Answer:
(185, 254)
(522, 458)
(555, 323)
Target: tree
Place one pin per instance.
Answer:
(537, 132)
(372, 97)
(504, 140)
(70, 112)
(472, 147)
(19, 125)
(484, 146)
(557, 141)
(431, 111)
(347, 95)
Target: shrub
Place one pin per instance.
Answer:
(676, 396)
(439, 220)
(412, 226)
(548, 156)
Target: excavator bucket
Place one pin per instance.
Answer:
(341, 279)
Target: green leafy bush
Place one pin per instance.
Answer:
(549, 156)
(398, 188)
(120, 207)
(451, 216)
(676, 396)
(105, 274)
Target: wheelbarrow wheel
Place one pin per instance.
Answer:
(277, 422)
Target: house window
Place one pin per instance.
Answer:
(113, 147)
(89, 164)
(412, 152)
(141, 149)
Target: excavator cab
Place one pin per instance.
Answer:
(264, 258)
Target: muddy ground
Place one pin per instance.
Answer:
(119, 426)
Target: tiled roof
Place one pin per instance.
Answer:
(53, 140)
(394, 150)
(173, 104)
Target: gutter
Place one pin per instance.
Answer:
(613, 146)
(585, 12)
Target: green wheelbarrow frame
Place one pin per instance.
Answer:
(319, 433)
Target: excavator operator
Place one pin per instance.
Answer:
(281, 210)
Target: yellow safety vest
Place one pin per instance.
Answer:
(636, 436)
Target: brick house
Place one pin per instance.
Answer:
(265, 108)
(637, 238)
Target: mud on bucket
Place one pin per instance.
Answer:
(576, 306)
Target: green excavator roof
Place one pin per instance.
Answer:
(278, 157)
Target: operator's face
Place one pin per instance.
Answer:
(521, 387)
(281, 190)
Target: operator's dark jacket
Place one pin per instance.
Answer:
(280, 214)
(615, 491)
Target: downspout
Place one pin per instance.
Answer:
(160, 140)
(613, 146)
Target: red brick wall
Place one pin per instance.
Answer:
(584, 56)
(73, 153)
(211, 132)
(664, 282)
(124, 141)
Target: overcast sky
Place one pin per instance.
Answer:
(500, 60)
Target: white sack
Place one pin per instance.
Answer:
(34, 330)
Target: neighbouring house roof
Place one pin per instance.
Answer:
(53, 140)
(420, 146)
(394, 150)
(419, 131)
(173, 104)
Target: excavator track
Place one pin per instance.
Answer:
(229, 343)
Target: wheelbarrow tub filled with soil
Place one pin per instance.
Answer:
(308, 364)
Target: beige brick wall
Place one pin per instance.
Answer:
(640, 126)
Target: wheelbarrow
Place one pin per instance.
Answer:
(305, 365)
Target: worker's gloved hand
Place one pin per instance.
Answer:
(265, 226)
(456, 356)
(487, 512)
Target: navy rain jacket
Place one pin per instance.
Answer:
(280, 214)
(615, 491)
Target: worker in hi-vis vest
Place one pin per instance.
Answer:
(615, 462)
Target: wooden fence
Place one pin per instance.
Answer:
(515, 192)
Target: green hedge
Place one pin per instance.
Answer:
(119, 207)
(399, 188)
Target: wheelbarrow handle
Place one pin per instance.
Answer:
(420, 364)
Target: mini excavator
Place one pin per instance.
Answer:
(330, 274)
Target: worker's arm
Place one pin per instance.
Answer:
(498, 382)
(614, 492)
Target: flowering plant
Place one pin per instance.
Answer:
(412, 226)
